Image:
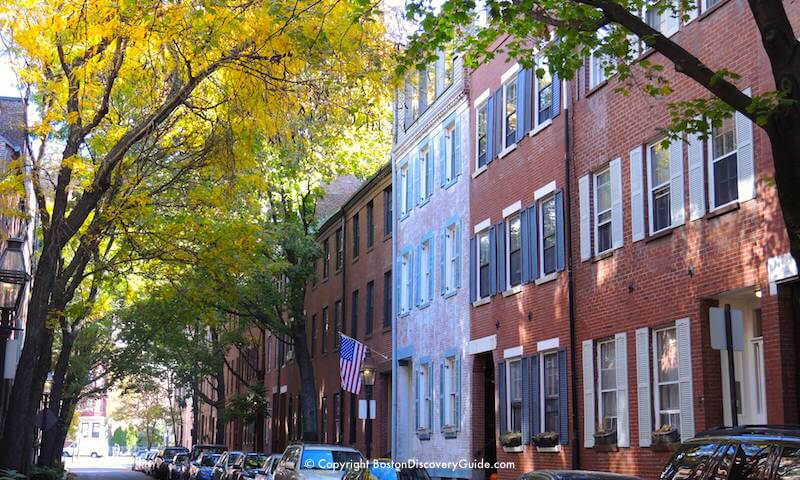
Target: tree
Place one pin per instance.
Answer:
(576, 23)
(145, 406)
(118, 438)
(130, 438)
(131, 93)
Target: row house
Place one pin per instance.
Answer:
(596, 353)
(431, 332)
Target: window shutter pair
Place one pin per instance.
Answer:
(500, 231)
(523, 102)
(615, 169)
(589, 398)
(473, 270)
(492, 262)
(501, 397)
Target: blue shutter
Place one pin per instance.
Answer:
(430, 161)
(535, 410)
(556, 95)
(526, 390)
(492, 262)
(457, 243)
(417, 277)
(501, 397)
(500, 230)
(430, 393)
(441, 397)
(490, 121)
(443, 261)
(559, 199)
(473, 270)
(533, 248)
(526, 248)
(457, 148)
(563, 417)
(397, 280)
(441, 150)
(457, 406)
(431, 270)
(416, 193)
(522, 102)
(499, 141)
(527, 117)
(416, 398)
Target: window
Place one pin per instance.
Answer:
(337, 322)
(387, 299)
(664, 20)
(548, 225)
(451, 387)
(326, 259)
(510, 112)
(356, 236)
(483, 264)
(268, 353)
(387, 210)
(550, 392)
(325, 328)
(515, 395)
(724, 167)
(337, 418)
(405, 283)
(425, 396)
(85, 430)
(339, 249)
(451, 258)
(425, 164)
(544, 94)
(323, 420)
(425, 263)
(412, 97)
(665, 350)
(405, 191)
(514, 241)
(370, 224)
(602, 202)
(449, 64)
(607, 385)
(659, 184)
(450, 148)
(95, 430)
(597, 72)
(354, 314)
(369, 307)
(313, 336)
(429, 76)
(482, 131)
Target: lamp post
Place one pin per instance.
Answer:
(13, 277)
(368, 377)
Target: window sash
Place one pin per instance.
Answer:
(510, 112)
(547, 231)
(423, 173)
(602, 217)
(481, 133)
(483, 264)
(449, 152)
(514, 255)
(663, 413)
(606, 390)
(550, 391)
(544, 94)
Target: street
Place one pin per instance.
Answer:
(105, 468)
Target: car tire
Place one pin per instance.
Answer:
(93, 455)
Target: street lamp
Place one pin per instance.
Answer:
(13, 277)
(368, 377)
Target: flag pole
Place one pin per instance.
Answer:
(371, 350)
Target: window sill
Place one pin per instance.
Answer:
(424, 201)
(403, 314)
(507, 150)
(596, 88)
(659, 235)
(324, 279)
(512, 291)
(368, 336)
(704, 15)
(424, 434)
(449, 431)
(386, 329)
(355, 259)
(602, 256)
(547, 278)
(555, 449)
(540, 127)
(479, 171)
(446, 185)
(425, 305)
(370, 248)
(387, 237)
(719, 211)
(450, 293)
(481, 301)
(404, 216)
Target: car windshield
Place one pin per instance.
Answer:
(254, 461)
(180, 457)
(209, 460)
(328, 459)
(233, 457)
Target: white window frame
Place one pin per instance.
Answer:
(450, 392)
(405, 188)
(423, 157)
(405, 283)
(478, 235)
(597, 211)
(651, 204)
(712, 160)
(450, 259)
(511, 80)
(449, 152)
(517, 361)
(426, 270)
(425, 396)
(542, 393)
(663, 20)
(600, 390)
(658, 383)
(538, 123)
(481, 105)
(597, 73)
(507, 235)
(540, 246)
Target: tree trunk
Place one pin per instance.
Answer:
(308, 389)
(219, 435)
(784, 135)
(53, 442)
(196, 436)
(51, 448)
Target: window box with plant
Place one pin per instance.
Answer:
(545, 440)
(666, 438)
(605, 440)
(512, 442)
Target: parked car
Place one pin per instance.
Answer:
(138, 461)
(267, 469)
(201, 448)
(314, 461)
(203, 467)
(164, 459)
(179, 468)
(760, 452)
(149, 460)
(246, 466)
(224, 465)
(70, 450)
(573, 475)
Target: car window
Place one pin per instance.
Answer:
(328, 459)
(274, 465)
(291, 455)
(253, 461)
(751, 461)
(789, 464)
(690, 462)
(209, 460)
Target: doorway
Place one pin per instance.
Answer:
(489, 448)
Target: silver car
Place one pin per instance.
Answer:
(314, 461)
(267, 470)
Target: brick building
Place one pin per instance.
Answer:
(432, 370)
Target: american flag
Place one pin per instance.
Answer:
(351, 354)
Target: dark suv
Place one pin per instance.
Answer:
(751, 452)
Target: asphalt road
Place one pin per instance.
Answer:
(106, 468)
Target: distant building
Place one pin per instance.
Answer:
(93, 427)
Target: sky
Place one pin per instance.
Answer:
(8, 82)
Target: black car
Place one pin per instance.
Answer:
(750, 452)
(247, 466)
(164, 459)
(573, 475)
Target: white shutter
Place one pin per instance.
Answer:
(621, 371)
(686, 396)
(616, 203)
(583, 193)
(644, 400)
(677, 204)
(697, 192)
(637, 197)
(588, 394)
(744, 143)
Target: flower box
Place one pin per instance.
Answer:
(511, 440)
(605, 441)
(545, 440)
(666, 439)
(517, 449)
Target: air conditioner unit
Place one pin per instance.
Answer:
(289, 355)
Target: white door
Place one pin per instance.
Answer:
(751, 407)
(757, 410)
